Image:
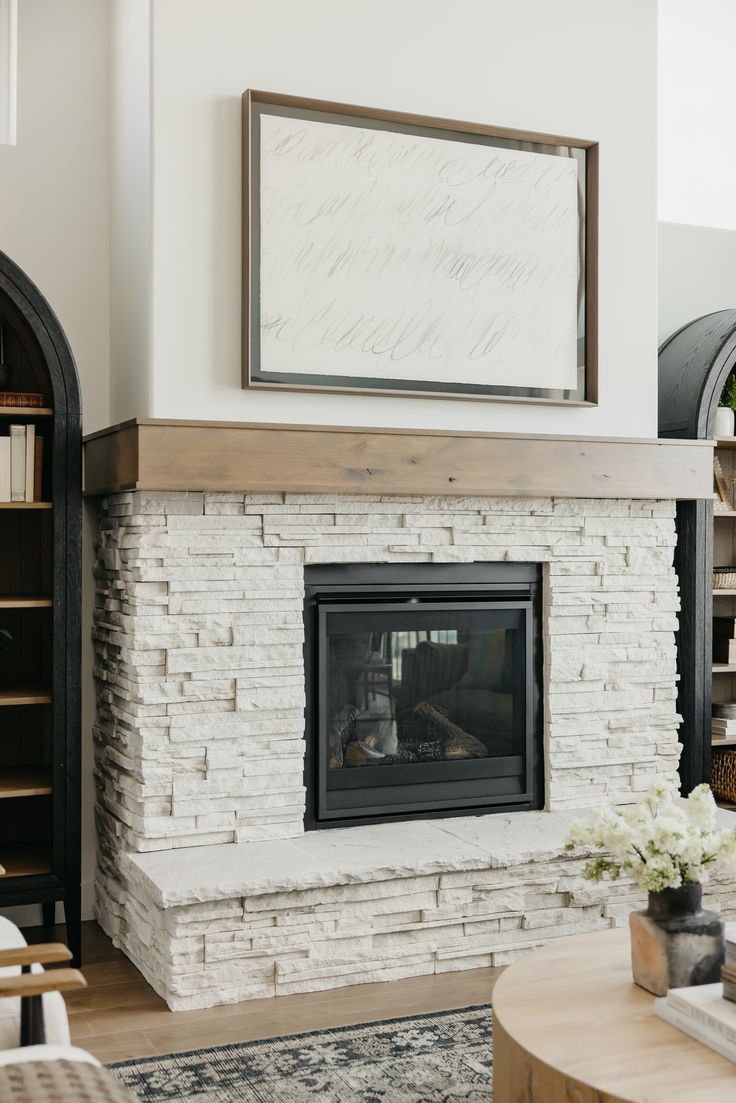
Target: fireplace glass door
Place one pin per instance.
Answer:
(423, 702)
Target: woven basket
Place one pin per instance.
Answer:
(723, 774)
(724, 578)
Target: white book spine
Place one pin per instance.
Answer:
(17, 463)
(30, 461)
(720, 1018)
(4, 469)
(695, 1029)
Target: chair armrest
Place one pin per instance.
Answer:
(44, 953)
(35, 984)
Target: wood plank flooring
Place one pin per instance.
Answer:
(119, 1016)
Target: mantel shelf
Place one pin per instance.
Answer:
(312, 459)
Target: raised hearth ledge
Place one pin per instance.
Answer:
(151, 454)
(353, 855)
(350, 855)
(221, 924)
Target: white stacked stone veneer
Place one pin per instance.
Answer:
(200, 737)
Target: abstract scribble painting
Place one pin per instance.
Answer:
(400, 254)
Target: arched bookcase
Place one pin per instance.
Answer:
(694, 364)
(40, 607)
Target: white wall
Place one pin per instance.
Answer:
(569, 66)
(130, 206)
(54, 224)
(697, 109)
(697, 274)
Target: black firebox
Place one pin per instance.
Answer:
(423, 691)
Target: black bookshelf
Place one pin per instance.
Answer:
(40, 605)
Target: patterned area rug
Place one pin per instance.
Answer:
(444, 1057)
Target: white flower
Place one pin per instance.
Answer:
(662, 841)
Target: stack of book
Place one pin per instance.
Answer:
(723, 722)
(702, 1011)
(21, 462)
(27, 400)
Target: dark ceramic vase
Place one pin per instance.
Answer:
(675, 943)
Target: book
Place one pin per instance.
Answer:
(30, 461)
(724, 627)
(712, 1022)
(724, 650)
(4, 469)
(38, 470)
(722, 724)
(17, 463)
(23, 400)
(724, 710)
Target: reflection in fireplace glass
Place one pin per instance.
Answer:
(446, 689)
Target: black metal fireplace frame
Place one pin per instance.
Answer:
(459, 586)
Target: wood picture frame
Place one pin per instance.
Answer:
(313, 294)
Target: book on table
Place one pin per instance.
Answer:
(703, 1013)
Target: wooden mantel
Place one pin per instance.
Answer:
(203, 455)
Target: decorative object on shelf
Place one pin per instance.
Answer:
(724, 423)
(6, 370)
(668, 846)
(723, 774)
(723, 501)
(724, 578)
(381, 255)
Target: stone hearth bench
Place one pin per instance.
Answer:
(223, 923)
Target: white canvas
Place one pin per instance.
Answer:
(394, 256)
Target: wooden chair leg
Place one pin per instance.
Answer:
(32, 1027)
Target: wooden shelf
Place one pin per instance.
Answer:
(724, 513)
(724, 593)
(24, 860)
(723, 742)
(26, 411)
(25, 781)
(26, 505)
(12, 601)
(725, 442)
(24, 695)
(724, 668)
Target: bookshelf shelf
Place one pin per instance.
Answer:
(12, 696)
(25, 781)
(26, 505)
(25, 860)
(11, 601)
(26, 411)
(723, 743)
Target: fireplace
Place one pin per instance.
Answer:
(422, 691)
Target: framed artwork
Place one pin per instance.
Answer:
(388, 253)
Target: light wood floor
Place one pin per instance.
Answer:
(119, 1016)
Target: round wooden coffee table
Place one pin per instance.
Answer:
(570, 1026)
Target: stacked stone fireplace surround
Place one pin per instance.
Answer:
(206, 877)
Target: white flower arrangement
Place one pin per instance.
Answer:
(663, 841)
